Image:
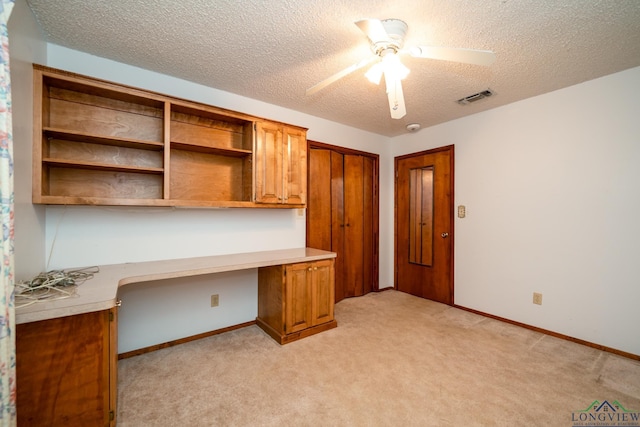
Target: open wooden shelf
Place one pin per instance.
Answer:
(64, 163)
(100, 143)
(53, 133)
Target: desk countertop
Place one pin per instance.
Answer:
(100, 292)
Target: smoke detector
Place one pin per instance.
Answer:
(413, 127)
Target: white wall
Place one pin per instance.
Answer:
(552, 190)
(26, 45)
(80, 236)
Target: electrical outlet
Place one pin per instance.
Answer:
(215, 300)
(537, 298)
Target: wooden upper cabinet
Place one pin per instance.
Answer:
(100, 143)
(280, 164)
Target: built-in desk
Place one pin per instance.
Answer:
(67, 349)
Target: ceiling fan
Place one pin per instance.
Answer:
(387, 43)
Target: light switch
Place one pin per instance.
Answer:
(462, 211)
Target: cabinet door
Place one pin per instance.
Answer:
(66, 371)
(268, 163)
(298, 297)
(322, 292)
(295, 166)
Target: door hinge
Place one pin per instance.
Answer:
(112, 415)
(111, 317)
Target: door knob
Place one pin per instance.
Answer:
(445, 235)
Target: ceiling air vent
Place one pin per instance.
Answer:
(475, 97)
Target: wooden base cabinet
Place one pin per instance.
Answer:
(66, 370)
(296, 300)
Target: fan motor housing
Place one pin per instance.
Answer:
(396, 30)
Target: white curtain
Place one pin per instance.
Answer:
(7, 313)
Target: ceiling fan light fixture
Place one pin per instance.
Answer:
(387, 43)
(374, 75)
(393, 68)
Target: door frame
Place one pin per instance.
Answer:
(376, 199)
(451, 150)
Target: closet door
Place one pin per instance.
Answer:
(353, 225)
(337, 221)
(319, 230)
(342, 217)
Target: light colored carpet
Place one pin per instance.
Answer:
(393, 360)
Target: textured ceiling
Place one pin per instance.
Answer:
(273, 50)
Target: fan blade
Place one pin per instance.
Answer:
(396, 98)
(373, 29)
(326, 82)
(467, 56)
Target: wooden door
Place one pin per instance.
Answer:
(66, 371)
(322, 292)
(357, 225)
(268, 163)
(319, 207)
(297, 297)
(424, 224)
(342, 215)
(337, 222)
(295, 164)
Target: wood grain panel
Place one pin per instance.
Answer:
(298, 297)
(199, 176)
(268, 168)
(270, 296)
(105, 184)
(319, 203)
(78, 85)
(337, 222)
(207, 136)
(62, 370)
(99, 120)
(353, 225)
(369, 229)
(295, 163)
(108, 154)
(323, 291)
